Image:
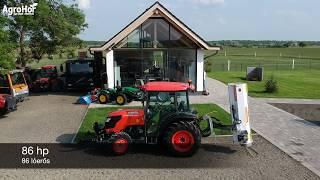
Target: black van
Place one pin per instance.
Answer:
(77, 74)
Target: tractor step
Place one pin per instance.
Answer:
(151, 140)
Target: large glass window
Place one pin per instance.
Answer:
(131, 41)
(181, 65)
(128, 67)
(155, 50)
(156, 33)
(179, 40)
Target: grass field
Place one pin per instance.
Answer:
(45, 61)
(292, 84)
(269, 58)
(99, 115)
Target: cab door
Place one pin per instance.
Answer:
(159, 105)
(5, 84)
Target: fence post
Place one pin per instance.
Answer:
(309, 64)
(292, 63)
(255, 54)
(228, 65)
(225, 53)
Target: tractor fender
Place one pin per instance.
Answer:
(175, 117)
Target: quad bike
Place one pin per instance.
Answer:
(121, 95)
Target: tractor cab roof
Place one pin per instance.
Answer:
(48, 66)
(167, 86)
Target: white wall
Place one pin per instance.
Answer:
(200, 69)
(110, 68)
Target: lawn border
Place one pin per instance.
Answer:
(82, 119)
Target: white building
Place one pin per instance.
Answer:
(156, 45)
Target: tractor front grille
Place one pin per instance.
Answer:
(111, 123)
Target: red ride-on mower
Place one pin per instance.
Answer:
(45, 79)
(7, 104)
(166, 119)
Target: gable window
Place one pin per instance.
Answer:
(156, 33)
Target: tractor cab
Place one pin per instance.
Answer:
(165, 101)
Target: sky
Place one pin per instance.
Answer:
(213, 19)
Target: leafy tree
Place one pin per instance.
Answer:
(53, 26)
(302, 44)
(6, 48)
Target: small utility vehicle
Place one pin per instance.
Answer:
(121, 95)
(14, 83)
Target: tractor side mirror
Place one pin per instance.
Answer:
(61, 67)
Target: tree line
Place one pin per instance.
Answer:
(264, 43)
(53, 27)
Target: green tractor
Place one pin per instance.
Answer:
(121, 95)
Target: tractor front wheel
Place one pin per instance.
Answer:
(182, 138)
(103, 98)
(121, 99)
(120, 143)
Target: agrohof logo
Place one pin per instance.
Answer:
(19, 10)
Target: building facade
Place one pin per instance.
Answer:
(155, 46)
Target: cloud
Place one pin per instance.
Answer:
(84, 4)
(208, 2)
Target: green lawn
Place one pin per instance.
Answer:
(292, 84)
(99, 115)
(269, 58)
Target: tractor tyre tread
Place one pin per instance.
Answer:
(119, 135)
(125, 99)
(178, 126)
(106, 96)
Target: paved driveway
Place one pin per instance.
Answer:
(43, 119)
(295, 136)
(218, 160)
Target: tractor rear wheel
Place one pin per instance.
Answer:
(182, 138)
(121, 99)
(103, 98)
(120, 143)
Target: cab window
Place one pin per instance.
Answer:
(17, 78)
(182, 101)
(4, 85)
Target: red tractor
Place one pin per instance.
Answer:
(45, 79)
(166, 119)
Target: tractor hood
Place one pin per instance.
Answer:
(44, 79)
(138, 113)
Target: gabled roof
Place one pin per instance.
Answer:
(156, 10)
